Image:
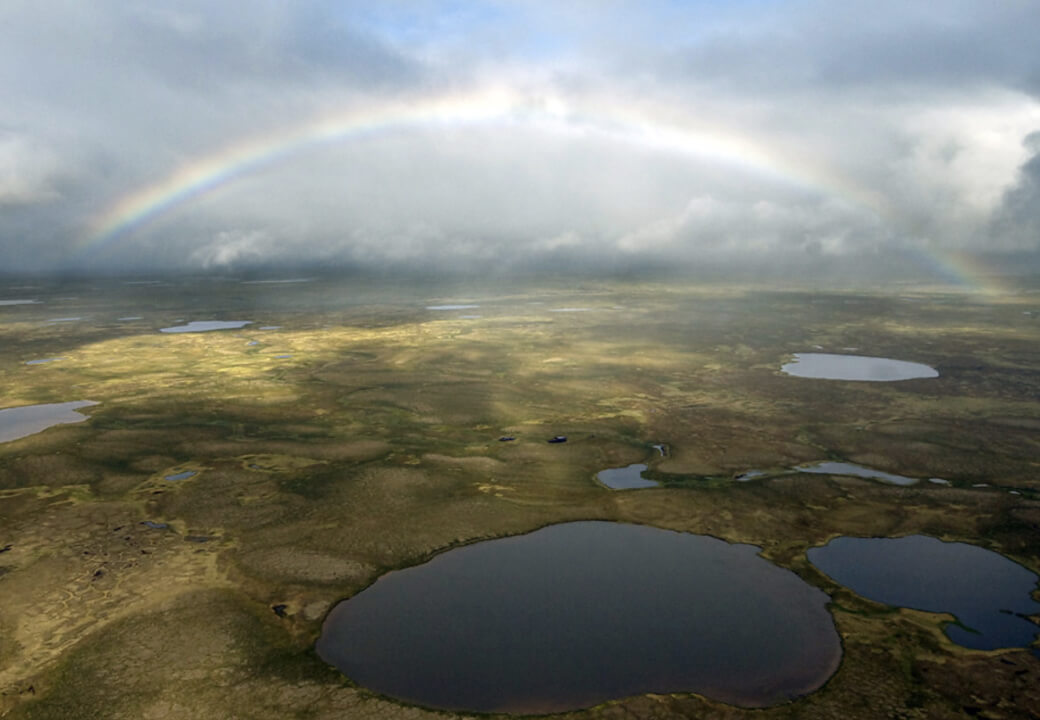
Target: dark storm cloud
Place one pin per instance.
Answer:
(1016, 224)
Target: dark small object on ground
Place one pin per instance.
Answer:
(197, 538)
(558, 439)
(154, 525)
(279, 609)
(98, 573)
(5, 548)
(506, 438)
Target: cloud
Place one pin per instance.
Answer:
(27, 171)
(228, 248)
(654, 132)
(1016, 224)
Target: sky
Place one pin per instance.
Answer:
(458, 136)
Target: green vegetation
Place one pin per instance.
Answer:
(376, 445)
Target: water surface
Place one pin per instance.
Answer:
(843, 468)
(206, 326)
(18, 422)
(19, 302)
(576, 614)
(451, 307)
(181, 475)
(626, 478)
(855, 367)
(277, 282)
(986, 591)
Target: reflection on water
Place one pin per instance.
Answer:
(855, 367)
(625, 478)
(576, 614)
(843, 468)
(19, 422)
(206, 326)
(987, 592)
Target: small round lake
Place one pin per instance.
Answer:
(576, 614)
(825, 366)
(987, 592)
(626, 478)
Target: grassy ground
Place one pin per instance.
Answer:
(375, 445)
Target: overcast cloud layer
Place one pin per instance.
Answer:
(626, 133)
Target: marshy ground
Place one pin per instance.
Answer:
(362, 435)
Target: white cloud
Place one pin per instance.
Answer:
(27, 171)
(650, 130)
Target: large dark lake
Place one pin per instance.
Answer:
(576, 614)
(987, 592)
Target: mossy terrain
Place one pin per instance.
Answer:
(376, 444)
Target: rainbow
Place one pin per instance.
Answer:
(612, 121)
(960, 270)
(204, 175)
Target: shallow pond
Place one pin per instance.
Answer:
(276, 282)
(206, 326)
(181, 475)
(855, 367)
(43, 361)
(843, 468)
(987, 592)
(625, 478)
(451, 307)
(18, 422)
(19, 302)
(576, 614)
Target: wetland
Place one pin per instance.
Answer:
(374, 453)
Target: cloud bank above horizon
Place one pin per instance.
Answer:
(449, 135)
